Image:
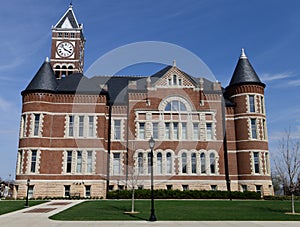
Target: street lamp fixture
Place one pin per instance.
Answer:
(28, 183)
(152, 215)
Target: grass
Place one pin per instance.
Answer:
(7, 206)
(181, 210)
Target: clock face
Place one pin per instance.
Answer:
(65, 49)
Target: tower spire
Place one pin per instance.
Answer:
(243, 55)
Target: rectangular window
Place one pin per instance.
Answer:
(195, 131)
(141, 130)
(20, 162)
(209, 131)
(91, 126)
(23, 125)
(69, 162)
(81, 126)
(252, 103)
(66, 35)
(264, 129)
(72, 35)
(71, 125)
(116, 163)
(60, 34)
(167, 131)
(267, 165)
(79, 162)
(33, 161)
(36, 127)
(258, 188)
(67, 190)
(253, 128)
(256, 162)
(185, 187)
(194, 163)
(262, 107)
(89, 168)
(175, 131)
(155, 130)
(244, 188)
(169, 186)
(117, 129)
(213, 187)
(183, 131)
(169, 162)
(184, 163)
(87, 190)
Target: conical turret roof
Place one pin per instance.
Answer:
(244, 72)
(44, 79)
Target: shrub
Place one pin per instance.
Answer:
(177, 194)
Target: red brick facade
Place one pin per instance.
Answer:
(75, 142)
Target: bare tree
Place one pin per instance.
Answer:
(287, 163)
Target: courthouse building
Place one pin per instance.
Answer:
(84, 136)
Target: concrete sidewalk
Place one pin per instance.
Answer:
(37, 216)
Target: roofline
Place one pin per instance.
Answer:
(246, 83)
(70, 8)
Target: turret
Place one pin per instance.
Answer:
(247, 91)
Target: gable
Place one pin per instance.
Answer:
(66, 23)
(175, 78)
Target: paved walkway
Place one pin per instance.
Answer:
(37, 216)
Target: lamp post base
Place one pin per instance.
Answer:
(152, 217)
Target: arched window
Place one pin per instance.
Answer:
(64, 71)
(212, 163)
(175, 105)
(202, 165)
(194, 163)
(140, 162)
(159, 163)
(169, 162)
(184, 162)
(57, 71)
(70, 70)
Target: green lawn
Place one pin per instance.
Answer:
(7, 206)
(183, 210)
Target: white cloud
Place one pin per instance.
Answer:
(278, 76)
(5, 105)
(294, 83)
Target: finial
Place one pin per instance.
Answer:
(243, 55)
(174, 63)
(47, 59)
(71, 4)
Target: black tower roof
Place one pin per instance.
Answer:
(68, 20)
(44, 79)
(244, 73)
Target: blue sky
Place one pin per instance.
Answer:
(214, 30)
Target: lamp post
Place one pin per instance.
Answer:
(28, 183)
(152, 215)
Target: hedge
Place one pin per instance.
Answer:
(177, 194)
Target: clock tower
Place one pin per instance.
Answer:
(67, 50)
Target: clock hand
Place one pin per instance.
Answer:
(67, 50)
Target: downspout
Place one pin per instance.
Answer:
(127, 143)
(227, 177)
(108, 145)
